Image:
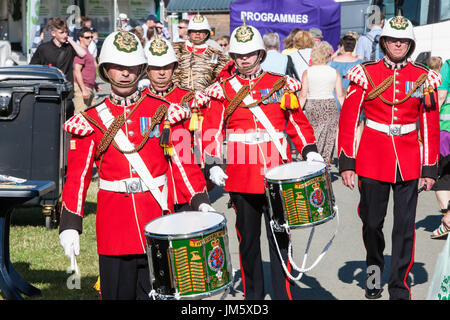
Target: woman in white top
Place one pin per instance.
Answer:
(319, 82)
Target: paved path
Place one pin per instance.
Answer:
(341, 273)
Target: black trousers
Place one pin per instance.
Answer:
(372, 211)
(249, 210)
(124, 277)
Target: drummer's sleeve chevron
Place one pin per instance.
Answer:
(348, 127)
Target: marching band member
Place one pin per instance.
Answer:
(162, 62)
(394, 94)
(254, 107)
(122, 137)
(198, 63)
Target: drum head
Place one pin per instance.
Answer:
(184, 223)
(294, 170)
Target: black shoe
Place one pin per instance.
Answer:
(373, 293)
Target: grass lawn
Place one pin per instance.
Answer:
(39, 258)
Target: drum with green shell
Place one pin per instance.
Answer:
(188, 255)
(299, 194)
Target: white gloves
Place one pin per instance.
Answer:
(217, 176)
(204, 207)
(70, 241)
(313, 156)
(144, 83)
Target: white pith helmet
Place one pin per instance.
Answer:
(400, 28)
(245, 39)
(159, 53)
(122, 48)
(123, 16)
(199, 22)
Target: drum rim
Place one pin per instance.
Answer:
(312, 175)
(212, 229)
(313, 224)
(199, 295)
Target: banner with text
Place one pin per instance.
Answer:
(282, 16)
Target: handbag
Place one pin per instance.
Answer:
(440, 283)
(290, 69)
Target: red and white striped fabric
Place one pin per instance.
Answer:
(176, 113)
(215, 91)
(200, 98)
(358, 76)
(434, 79)
(78, 125)
(293, 84)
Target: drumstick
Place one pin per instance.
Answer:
(424, 187)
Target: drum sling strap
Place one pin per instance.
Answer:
(302, 269)
(133, 156)
(253, 106)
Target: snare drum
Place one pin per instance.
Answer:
(299, 194)
(188, 255)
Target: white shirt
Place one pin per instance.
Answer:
(321, 82)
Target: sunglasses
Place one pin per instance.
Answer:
(179, 27)
(90, 37)
(393, 40)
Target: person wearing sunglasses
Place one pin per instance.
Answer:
(84, 70)
(182, 30)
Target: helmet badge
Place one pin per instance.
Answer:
(198, 18)
(244, 33)
(125, 41)
(158, 47)
(399, 23)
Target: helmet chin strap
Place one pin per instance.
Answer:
(246, 69)
(120, 85)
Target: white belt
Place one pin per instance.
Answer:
(444, 117)
(130, 185)
(391, 129)
(254, 137)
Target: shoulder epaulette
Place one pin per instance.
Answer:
(215, 90)
(434, 79)
(357, 75)
(78, 125)
(293, 84)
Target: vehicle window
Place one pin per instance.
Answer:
(444, 13)
(416, 11)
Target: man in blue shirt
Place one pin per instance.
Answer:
(275, 61)
(365, 46)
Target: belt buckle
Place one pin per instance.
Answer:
(259, 136)
(134, 186)
(395, 129)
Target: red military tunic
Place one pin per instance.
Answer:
(188, 185)
(379, 155)
(247, 163)
(121, 217)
